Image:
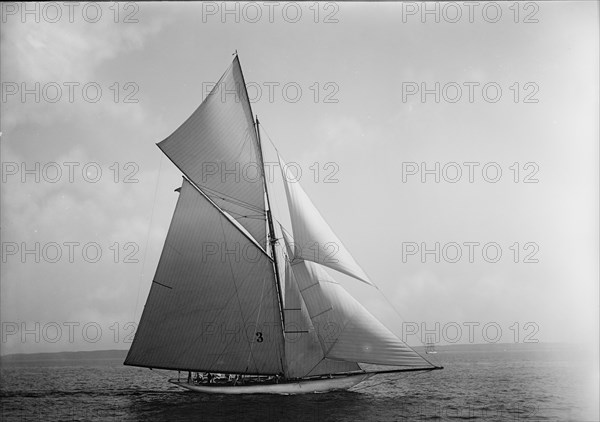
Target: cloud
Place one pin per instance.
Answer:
(74, 287)
(70, 51)
(59, 53)
(111, 214)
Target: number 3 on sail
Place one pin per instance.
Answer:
(272, 324)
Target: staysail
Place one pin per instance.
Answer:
(345, 329)
(303, 351)
(213, 304)
(216, 148)
(313, 238)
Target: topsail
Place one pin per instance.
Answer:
(216, 148)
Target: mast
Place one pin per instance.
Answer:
(272, 238)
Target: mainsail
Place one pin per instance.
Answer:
(212, 305)
(217, 301)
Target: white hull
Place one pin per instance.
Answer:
(320, 385)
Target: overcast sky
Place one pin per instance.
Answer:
(351, 72)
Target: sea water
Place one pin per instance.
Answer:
(480, 383)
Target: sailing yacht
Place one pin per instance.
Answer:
(272, 318)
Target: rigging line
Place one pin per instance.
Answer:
(195, 186)
(272, 236)
(403, 319)
(229, 198)
(322, 360)
(271, 141)
(224, 213)
(237, 215)
(272, 181)
(247, 97)
(277, 206)
(285, 230)
(148, 235)
(239, 218)
(221, 195)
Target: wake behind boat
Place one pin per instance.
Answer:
(275, 320)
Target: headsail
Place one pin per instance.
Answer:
(216, 148)
(303, 351)
(213, 304)
(313, 238)
(345, 329)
